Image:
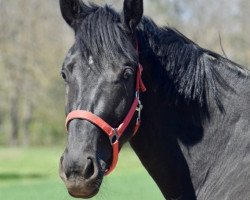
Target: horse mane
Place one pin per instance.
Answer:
(183, 68)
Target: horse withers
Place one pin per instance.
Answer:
(194, 137)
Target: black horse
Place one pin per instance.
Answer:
(194, 138)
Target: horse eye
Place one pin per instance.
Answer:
(63, 75)
(128, 72)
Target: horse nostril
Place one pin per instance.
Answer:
(73, 171)
(89, 169)
(61, 159)
(67, 173)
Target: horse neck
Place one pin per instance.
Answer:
(170, 127)
(156, 143)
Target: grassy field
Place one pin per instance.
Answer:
(32, 174)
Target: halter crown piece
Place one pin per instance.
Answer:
(114, 133)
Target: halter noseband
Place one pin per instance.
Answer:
(114, 133)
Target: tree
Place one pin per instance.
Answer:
(34, 40)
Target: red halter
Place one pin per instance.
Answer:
(114, 133)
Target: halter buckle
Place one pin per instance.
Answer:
(137, 95)
(139, 109)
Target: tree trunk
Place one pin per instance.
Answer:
(27, 122)
(14, 119)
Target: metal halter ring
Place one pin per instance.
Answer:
(114, 137)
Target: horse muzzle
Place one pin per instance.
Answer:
(82, 180)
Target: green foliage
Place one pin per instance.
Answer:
(31, 92)
(34, 40)
(33, 174)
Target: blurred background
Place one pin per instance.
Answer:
(34, 40)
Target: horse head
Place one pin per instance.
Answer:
(100, 73)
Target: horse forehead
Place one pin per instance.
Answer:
(72, 57)
(102, 61)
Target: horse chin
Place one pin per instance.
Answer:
(83, 195)
(79, 189)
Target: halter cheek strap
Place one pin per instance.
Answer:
(114, 133)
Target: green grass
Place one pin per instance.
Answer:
(32, 174)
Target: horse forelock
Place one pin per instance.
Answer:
(100, 34)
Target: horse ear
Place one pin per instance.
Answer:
(132, 13)
(71, 10)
